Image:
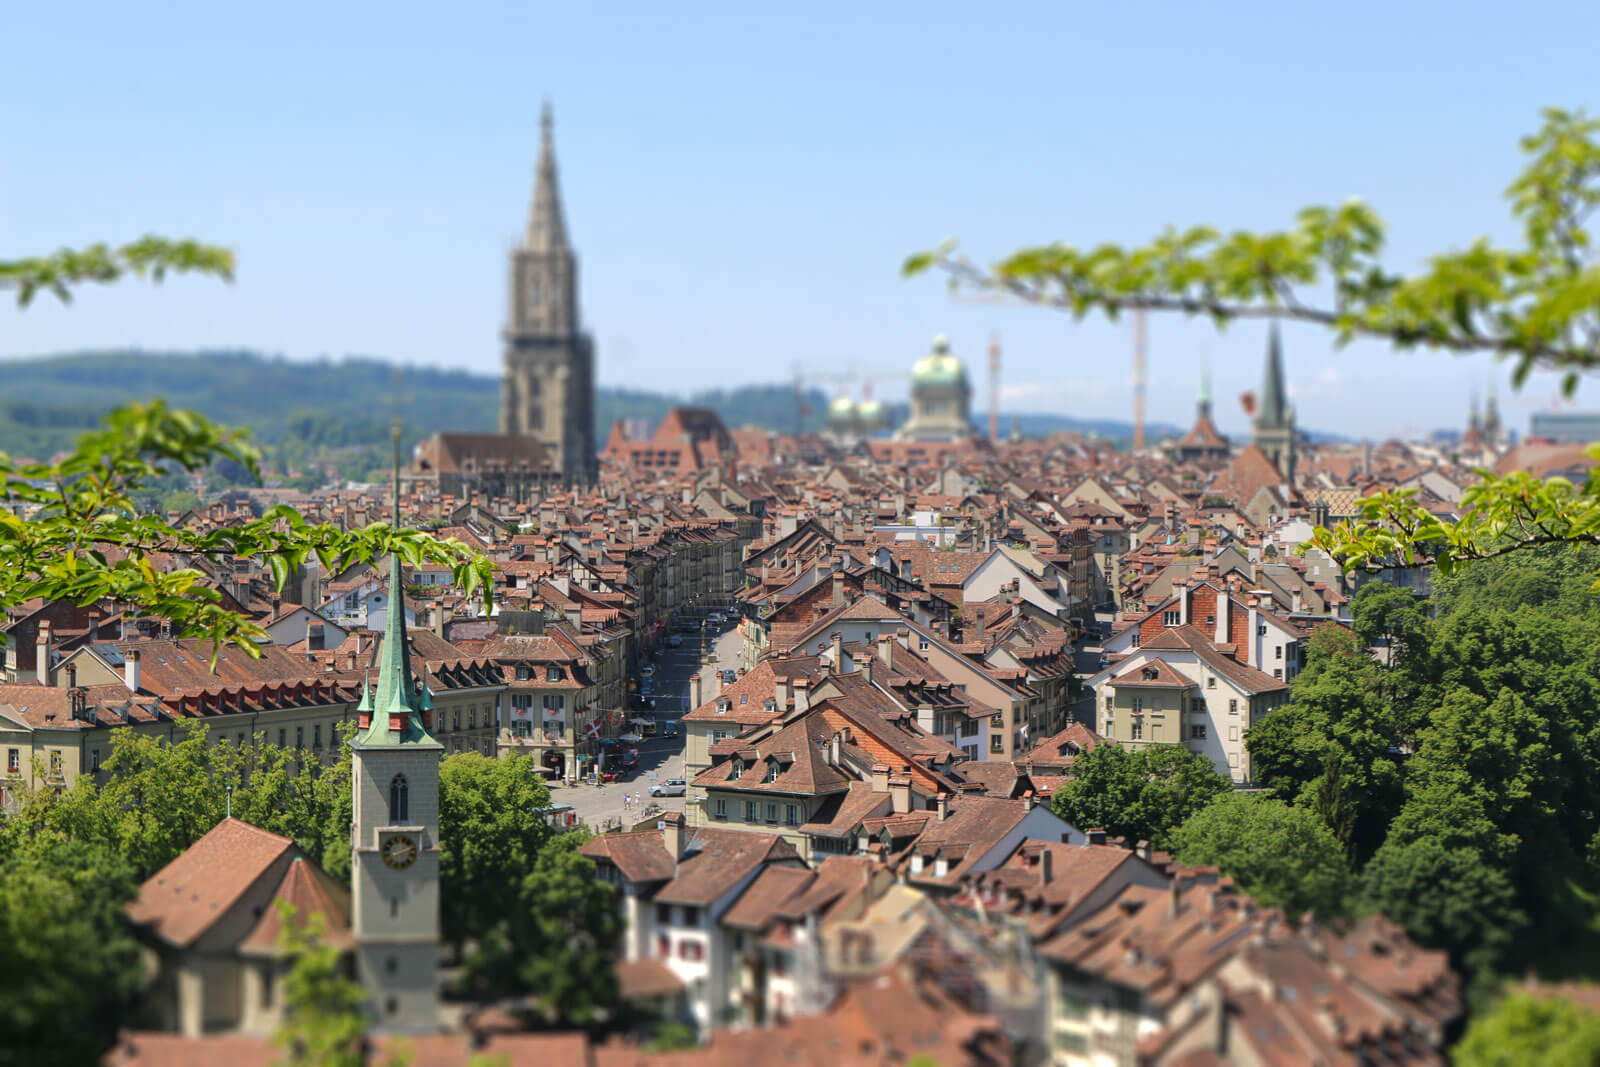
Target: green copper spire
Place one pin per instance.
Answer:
(398, 701)
(1204, 404)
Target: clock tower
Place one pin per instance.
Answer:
(395, 867)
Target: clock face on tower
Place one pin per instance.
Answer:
(399, 851)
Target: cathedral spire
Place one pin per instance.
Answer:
(1274, 408)
(1203, 405)
(547, 230)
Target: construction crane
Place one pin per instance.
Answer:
(994, 388)
(1138, 379)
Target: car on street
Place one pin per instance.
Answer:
(648, 669)
(674, 641)
(715, 618)
(672, 787)
(669, 728)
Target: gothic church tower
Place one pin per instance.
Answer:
(394, 773)
(1274, 423)
(547, 385)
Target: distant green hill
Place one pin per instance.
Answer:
(304, 408)
(46, 402)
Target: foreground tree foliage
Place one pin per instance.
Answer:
(492, 827)
(1142, 794)
(556, 943)
(527, 909)
(322, 1021)
(1283, 856)
(71, 530)
(1536, 305)
(1463, 775)
(1523, 1029)
(69, 968)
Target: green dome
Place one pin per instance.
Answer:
(939, 367)
(842, 405)
(869, 409)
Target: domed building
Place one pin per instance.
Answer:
(941, 396)
(842, 417)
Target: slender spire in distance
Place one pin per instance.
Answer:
(547, 229)
(1274, 407)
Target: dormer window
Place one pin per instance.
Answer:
(722, 706)
(738, 768)
(524, 673)
(916, 863)
(552, 674)
(770, 705)
(773, 770)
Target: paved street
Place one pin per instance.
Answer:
(660, 757)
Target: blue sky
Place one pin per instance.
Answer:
(742, 187)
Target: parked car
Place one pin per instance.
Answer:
(648, 669)
(674, 641)
(715, 618)
(672, 787)
(669, 728)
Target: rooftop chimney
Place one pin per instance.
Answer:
(802, 694)
(880, 778)
(43, 668)
(780, 693)
(836, 640)
(886, 649)
(130, 671)
(982, 611)
(900, 794)
(694, 690)
(1096, 836)
(1046, 861)
(838, 589)
(941, 804)
(672, 835)
(314, 637)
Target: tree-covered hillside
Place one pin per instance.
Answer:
(319, 406)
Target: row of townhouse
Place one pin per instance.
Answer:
(52, 734)
(1084, 953)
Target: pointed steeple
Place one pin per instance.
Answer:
(395, 715)
(547, 229)
(1203, 405)
(1274, 408)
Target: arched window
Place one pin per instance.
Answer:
(399, 801)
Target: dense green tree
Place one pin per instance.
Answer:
(1284, 857)
(1449, 897)
(1142, 794)
(1524, 1028)
(491, 828)
(68, 965)
(1336, 745)
(557, 943)
(1536, 305)
(304, 799)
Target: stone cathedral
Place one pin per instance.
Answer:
(547, 387)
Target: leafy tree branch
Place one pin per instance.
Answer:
(149, 257)
(1537, 305)
(70, 529)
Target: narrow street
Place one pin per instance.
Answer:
(660, 757)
